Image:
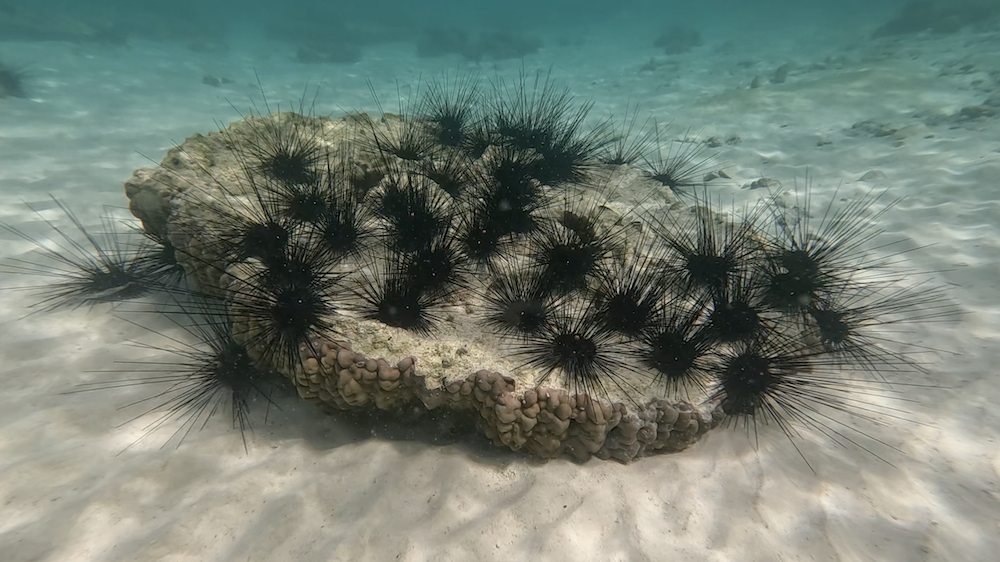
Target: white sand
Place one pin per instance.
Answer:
(313, 488)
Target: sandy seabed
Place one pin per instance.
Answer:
(315, 487)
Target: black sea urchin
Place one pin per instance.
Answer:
(438, 268)
(794, 385)
(572, 250)
(201, 378)
(806, 262)
(242, 230)
(503, 205)
(330, 205)
(678, 348)
(567, 261)
(515, 302)
(284, 146)
(402, 136)
(346, 226)
(413, 212)
(450, 170)
(583, 353)
(632, 290)
(284, 307)
(300, 203)
(629, 145)
(739, 313)
(530, 114)
(394, 296)
(451, 110)
(101, 268)
(507, 193)
(859, 324)
(681, 167)
(572, 151)
(536, 116)
(482, 238)
(158, 259)
(711, 248)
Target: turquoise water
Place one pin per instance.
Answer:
(872, 95)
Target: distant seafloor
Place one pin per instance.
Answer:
(312, 487)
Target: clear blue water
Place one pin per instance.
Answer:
(109, 87)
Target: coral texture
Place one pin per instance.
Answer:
(175, 201)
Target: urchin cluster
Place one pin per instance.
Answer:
(494, 195)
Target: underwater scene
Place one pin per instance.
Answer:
(551, 280)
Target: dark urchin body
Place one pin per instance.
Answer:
(587, 357)
(105, 268)
(678, 348)
(282, 147)
(860, 325)
(516, 304)
(534, 115)
(710, 249)
(795, 386)
(681, 168)
(806, 261)
(203, 377)
(633, 288)
(571, 251)
(286, 307)
(451, 110)
(392, 295)
(413, 212)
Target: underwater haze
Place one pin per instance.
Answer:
(524, 280)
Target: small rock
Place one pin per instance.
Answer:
(650, 66)
(932, 117)
(976, 111)
(716, 174)
(872, 176)
(780, 74)
(872, 128)
(763, 183)
(755, 83)
(913, 130)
